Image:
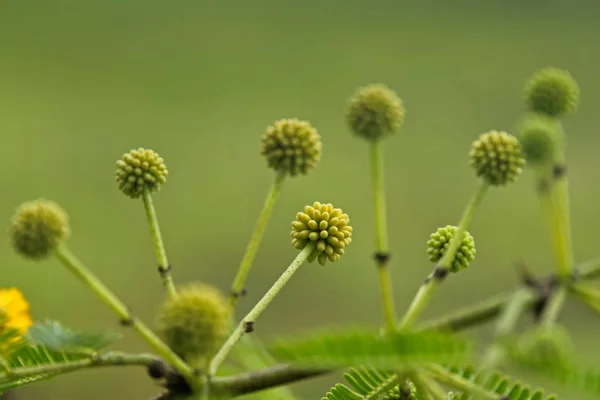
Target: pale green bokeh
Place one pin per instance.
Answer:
(82, 82)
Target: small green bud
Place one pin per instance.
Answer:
(291, 146)
(195, 322)
(326, 225)
(541, 140)
(553, 92)
(139, 170)
(406, 391)
(497, 157)
(37, 228)
(439, 241)
(375, 111)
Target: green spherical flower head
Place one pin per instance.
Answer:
(553, 92)
(291, 146)
(439, 241)
(375, 111)
(37, 228)
(406, 391)
(497, 158)
(195, 322)
(327, 226)
(541, 140)
(140, 170)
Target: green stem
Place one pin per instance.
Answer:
(470, 316)
(244, 268)
(77, 268)
(589, 269)
(506, 325)
(453, 380)
(253, 356)
(427, 388)
(102, 360)
(381, 240)
(434, 280)
(590, 295)
(561, 195)
(554, 306)
(164, 267)
(247, 322)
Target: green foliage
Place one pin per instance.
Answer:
(366, 384)
(48, 345)
(55, 336)
(563, 369)
(497, 384)
(348, 347)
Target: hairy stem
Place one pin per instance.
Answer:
(164, 268)
(244, 268)
(432, 282)
(506, 325)
(110, 359)
(464, 385)
(246, 325)
(77, 268)
(381, 241)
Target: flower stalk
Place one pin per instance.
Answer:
(164, 268)
(247, 323)
(237, 287)
(77, 268)
(442, 269)
(381, 242)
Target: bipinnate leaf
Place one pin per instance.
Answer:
(350, 347)
(48, 349)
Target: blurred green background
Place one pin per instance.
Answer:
(82, 82)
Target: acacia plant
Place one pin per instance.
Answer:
(203, 350)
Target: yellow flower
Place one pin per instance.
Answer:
(14, 311)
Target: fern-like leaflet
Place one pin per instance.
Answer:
(48, 350)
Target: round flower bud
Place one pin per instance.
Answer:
(291, 146)
(553, 92)
(37, 228)
(375, 111)
(439, 241)
(541, 140)
(140, 170)
(195, 322)
(325, 225)
(497, 157)
(406, 391)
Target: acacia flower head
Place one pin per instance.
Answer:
(496, 157)
(14, 314)
(37, 228)
(553, 92)
(291, 146)
(375, 111)
(195, 322)
(139, 170)
(324, 225)
(439, 242)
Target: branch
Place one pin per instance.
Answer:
(263, 379)
(102, 360)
